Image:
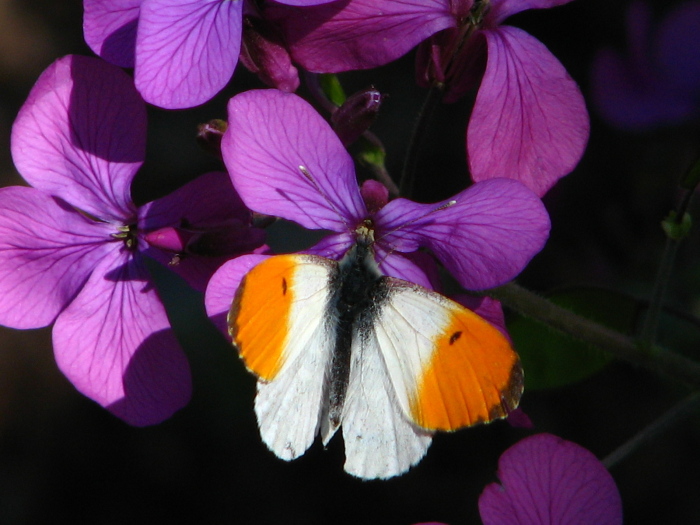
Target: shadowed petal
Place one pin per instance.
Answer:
(223, 285)
(186, 50)
(110, 29)
(210, 217)
(358, 34)
(545, 480)
(489, 309)
(114, 343)
(47, 252)
(484, 239)
(303, 3)
(333, 246)
(285, 160)
(529, 120)
(81, 136)
(502, 9)
(415, 267)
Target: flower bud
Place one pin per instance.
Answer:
(263, 52)
(356, 115)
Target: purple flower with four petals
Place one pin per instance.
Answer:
(73, 247)
(529, 120)
(183, 51)
(285, 160)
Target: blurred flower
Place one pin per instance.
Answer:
(185, 51)
(545, 480)
(284, 159)
(73, 247)
(529, 120)
(658, 81)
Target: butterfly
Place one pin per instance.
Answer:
(340, 345)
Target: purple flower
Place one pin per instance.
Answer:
(545, 479)
(658, 81)
(285, 160)
(73, 246)
(529, 120)
(185, 51)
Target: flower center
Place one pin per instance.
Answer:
(127, 234)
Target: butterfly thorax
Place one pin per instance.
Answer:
(357, 294)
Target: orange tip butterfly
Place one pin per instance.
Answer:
(340, 345)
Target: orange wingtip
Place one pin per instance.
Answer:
(474, 376)
(259, 317)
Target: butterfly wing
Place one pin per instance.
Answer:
(449, 367)
(380, 441)
(279, 322)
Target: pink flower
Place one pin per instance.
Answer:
(73, 247)
(529, 120)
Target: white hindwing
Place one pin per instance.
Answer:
(289, 407)
(380, 441)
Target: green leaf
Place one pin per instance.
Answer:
(551, 359)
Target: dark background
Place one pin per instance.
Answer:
(65, 459)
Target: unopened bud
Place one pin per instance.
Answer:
(356, 115)
(264, 53)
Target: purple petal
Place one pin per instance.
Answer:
(47, 252)
(186, 50)
(358, 34)
(333, 246)
(544, 480)
(529, 120)
(223, 285)
(81, 135)
(302, 3)
(502, 9)
(114, 343)
(285, 160)
(678, 47)
(415, 267)
(110, 29)
(484, 239)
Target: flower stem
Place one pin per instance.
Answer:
(663, 275)
(619, 345)
(408, 173)
(678, 412)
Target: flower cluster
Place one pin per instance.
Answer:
(75, 247)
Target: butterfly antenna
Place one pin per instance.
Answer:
(310, 178)
(444, 206)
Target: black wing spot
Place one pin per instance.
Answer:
(454, 337)
(284, 286)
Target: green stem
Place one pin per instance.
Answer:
(621, 346)
(663, 276)
(668, 258)
(678, 412)
(408, 173)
